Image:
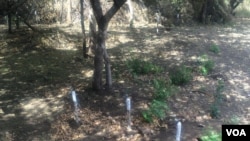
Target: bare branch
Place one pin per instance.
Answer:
(115, 7)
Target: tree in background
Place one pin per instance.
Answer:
(214, 11)
(84, 46)
(234, 4)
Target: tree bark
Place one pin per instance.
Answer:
(84, 48)
(92, 32)
(17, 21)
(9, 23)
(108, 70)
(100, 51)
(98, 64)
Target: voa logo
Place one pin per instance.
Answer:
(236, 132)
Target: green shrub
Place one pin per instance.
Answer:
(206, 66)
(162, 89)
(157, 110)
(138, 66)
(181, 75)
(215, 49)
(211, 135)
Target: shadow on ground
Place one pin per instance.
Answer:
(37, 73)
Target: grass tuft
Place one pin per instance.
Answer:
(206, 65)
(215, 49)
(181, 75)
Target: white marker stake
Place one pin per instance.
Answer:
(178, 131)
(74, 96)
(128, 105)
(76, 105)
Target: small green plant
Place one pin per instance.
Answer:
(234, 120)
(163, 89)
(206, 65)
(211, 135)
(215, 49)
(214, 109)
(157, 109)
(181, 75)
(219, 90)
(142, 67)
(147, 115)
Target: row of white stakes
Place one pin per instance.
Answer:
(128, 107)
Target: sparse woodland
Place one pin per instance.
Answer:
(67, 67)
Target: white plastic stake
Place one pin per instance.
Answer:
(128, 106)
(73, 93)
(178, 131)
(74, 96)
(128, 103)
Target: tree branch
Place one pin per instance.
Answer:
(97, 9)
(25, 22)
(115, 7)
(103, 20)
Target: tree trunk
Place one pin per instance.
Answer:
(223, 14)
(9, 23)
(98, 62)
(17, 21)
(68, 12)
(204, 12)
(234, 4)
(108, 70)
(61, 12)
(100, 50)
(92, 34)
(9, 19)
(84, 48)
(211, 11)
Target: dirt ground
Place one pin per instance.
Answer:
(39, 69)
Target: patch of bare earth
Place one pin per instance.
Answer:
(36, 105)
